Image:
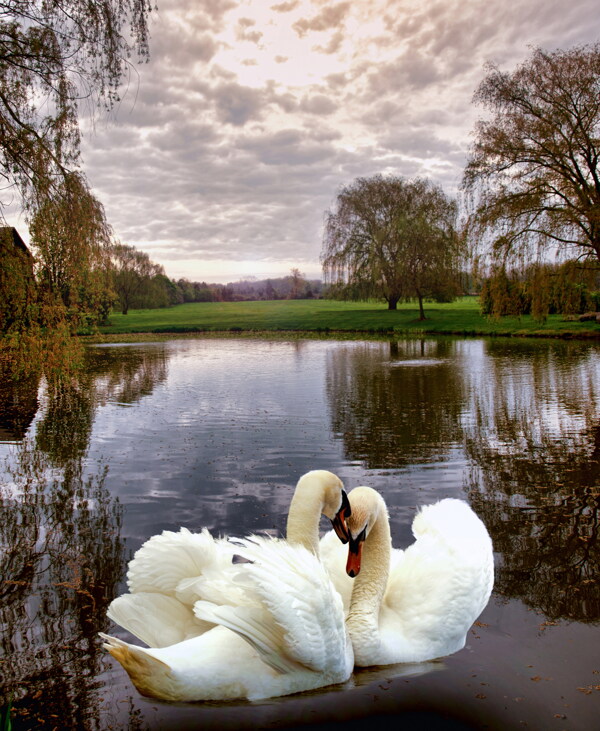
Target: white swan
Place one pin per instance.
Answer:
(279, 621)
(417, 604)
(173, 570)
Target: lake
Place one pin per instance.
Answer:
(215, 433)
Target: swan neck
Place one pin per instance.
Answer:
(304, 517)
(370, 584)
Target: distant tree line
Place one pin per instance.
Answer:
(140, 284)
(293, 286)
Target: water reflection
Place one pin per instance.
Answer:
(61, 551)
(70, 402)
(18, 403)
(535, 445)
(61, 555)
(396, 408)
(216, 433)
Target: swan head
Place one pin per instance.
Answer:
(328, 489)
(366, 506)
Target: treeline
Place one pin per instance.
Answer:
(140, 284)
(75, 285)
(530, 195)
(293, 286)
(569, 288)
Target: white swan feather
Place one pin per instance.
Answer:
(219, 630)
(417, 604)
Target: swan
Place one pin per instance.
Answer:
(173, 570)
(219, 630)
(417, 604)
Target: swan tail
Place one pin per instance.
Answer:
(151, 676)
(155, 619)
(255, 626)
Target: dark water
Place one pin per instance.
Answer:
(216, 433)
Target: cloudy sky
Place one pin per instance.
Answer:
(232, 142)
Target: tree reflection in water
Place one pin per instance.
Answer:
(61, 558)
(536, 478)
(61, 552)
(19, 403)
(396, 411)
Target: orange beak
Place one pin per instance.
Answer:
(355, 548)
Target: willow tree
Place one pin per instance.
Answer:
(72, 241)
(134, 276)
(392, 238)
(54, 57)
(533, 173)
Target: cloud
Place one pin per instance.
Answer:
(285, 7)
(244, 32)
(237, 135)
(318, 104)
(330, 17)
(334, 44)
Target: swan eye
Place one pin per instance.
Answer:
(360, 538)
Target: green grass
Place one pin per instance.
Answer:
(327, 316)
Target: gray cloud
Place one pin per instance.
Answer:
(227, 150)
(318, 104)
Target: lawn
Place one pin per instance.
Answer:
(327, 316)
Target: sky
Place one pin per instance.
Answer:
(230, 145)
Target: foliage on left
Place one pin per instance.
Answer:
(54, 57)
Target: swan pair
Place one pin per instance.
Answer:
(276, 625)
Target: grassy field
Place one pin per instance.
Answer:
(326, 316)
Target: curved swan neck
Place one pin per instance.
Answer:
(370, 584)
(304, 515)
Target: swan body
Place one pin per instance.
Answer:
(417, 604)
(220, 630)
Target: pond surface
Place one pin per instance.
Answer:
(215, 433)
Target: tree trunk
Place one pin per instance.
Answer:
(421, 310)
(392, 303)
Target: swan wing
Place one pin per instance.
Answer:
(443, 580)
(156, 619)
(334, 555)
(300, 617)
(168, 560)
(255, 626)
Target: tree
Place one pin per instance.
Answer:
(297, 284)
(134, 274)
(52, 57)
(392, 238)
(72, 238)
(533, 169)
(18, 292)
